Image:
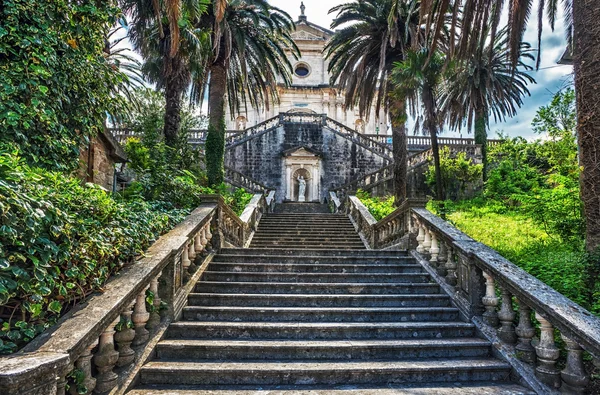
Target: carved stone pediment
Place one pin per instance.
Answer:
(302, 152)
(304, 35)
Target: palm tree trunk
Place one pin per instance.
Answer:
(215, 140)
(400, 152)
(481, 137)
(175, 84)
(431, 122)
(586, 14)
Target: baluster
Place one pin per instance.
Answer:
(451, 266)
(525, 331)
(507, 316)
(154, 315)
(84, 363)
(427, 242)
(105, 359)
(192, 250)
(198, 242)
(442, 258)
(574, 377)
(434, 250)
(185, 259)
(140, 317)
(420, 238)
(124, 337)
(490, 301)
(61, 382)
(547, 354)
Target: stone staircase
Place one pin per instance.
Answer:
(327, 317)
(306, 226)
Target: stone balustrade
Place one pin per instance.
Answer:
(237, 179)
(108, 333)
(504, 299)
(373, 145)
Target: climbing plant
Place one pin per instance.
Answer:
(55, 80)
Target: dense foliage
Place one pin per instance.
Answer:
(459, 174)
(379, 207)
(60, 241)
(55, 79)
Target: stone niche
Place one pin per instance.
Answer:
(305, 162)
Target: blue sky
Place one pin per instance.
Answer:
(550, 78)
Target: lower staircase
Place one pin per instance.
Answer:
(307, 310)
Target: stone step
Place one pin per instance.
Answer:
(319, 314)
(317, 288)
(314, 227)
(288, 277)
(312, 259)
(461, 388)
(305, 237)
(299, 300)
(323, 373)
(295, 243)
(317, 254)
(322, 330)
(314, 268)
(324, 246)
(193, 349)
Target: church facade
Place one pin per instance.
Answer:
(311, 90)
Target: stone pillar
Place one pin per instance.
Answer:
(315, 187)
(490, 301)
(574, 378)
(84, 363)
(451, 278)
(525, 331)
(154, 315)
(140, 317)
(435, 250)
(420, 239)
(507, 316)
(124, 337)
(547, 355)
(105, 359)
(288, 183)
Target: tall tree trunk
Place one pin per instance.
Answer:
(586, 14)
(215, 140)
(481, 137)
(431, 123)
(176, 80)
(400, 151)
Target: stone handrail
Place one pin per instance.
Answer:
(240, 180)
(335, 205)
(372, 145)
(474, 273)
(87, 334)
(112, 328)
(263, 127)
(389, 231)
(196, 136)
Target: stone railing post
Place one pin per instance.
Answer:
(574, 378)
(105, 360)
(124, 337)
(154, 319)
(140, 316)
(547, 355)
(507, 315)
(421, 238)
(434, 250)
(490, 302)
(451, 267)
(427, 242)
(442, 259)
(525, 332)
(84, 363)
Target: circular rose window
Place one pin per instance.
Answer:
(302, 70)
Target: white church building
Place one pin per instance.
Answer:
(311, 90)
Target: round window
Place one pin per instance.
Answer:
(302, 70)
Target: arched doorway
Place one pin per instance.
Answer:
(305, 174)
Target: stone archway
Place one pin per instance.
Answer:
(302, 161)
(296, 185)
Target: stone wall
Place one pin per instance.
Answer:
(98, 161)
(261, 158)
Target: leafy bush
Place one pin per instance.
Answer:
(458, 173)
(61, 241)
(56, 81)
(379, 207)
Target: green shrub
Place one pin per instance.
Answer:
(379, 207)
(458, 173)
(61, 241)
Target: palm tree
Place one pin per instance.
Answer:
(171, 46)
(417, 80)
(250, 42)
(486, 84)
(582, 18)
(361, 57)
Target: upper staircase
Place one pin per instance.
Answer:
(309, 310)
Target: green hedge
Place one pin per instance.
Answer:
(60, 241)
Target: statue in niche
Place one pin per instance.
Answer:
(301, 189)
